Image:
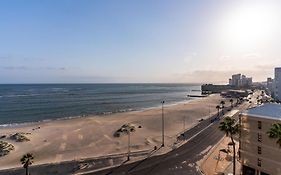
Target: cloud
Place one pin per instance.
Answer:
(252, 56)
(54, 68)
(32, 68)
(266, 67)
(4, 57)
(222, 76)
(225, 58)
(14, 67)
(190, 57)
(21, 58)
(207, 76)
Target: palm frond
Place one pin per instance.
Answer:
(275, 133)
(229, 127)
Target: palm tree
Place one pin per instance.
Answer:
(237, 100)
(231, 101)
(231, 128)
(128, 128)
(275, 133)
(26, 161)
(218, 108)
(222, 106)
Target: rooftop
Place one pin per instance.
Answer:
(268, 110)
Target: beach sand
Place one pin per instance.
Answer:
(92, 136)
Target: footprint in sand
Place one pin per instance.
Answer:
(64, 137)
(76, 130)
(98, 122)
(58, 157)
(107, 137)
(62, 146)
(92, 144)
(80, 136)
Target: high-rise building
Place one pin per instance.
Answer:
(277, 83)
(259, 154)
(269, 86)
(235, 79)
(230, 81)
(239, 81)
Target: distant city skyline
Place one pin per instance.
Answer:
(71, 41)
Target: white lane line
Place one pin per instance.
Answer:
(199, 132)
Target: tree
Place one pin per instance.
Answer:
(230, 128)
(237, 100)
(128, 128)
(231, 101)
(218, 108)
(26, 161)
(275, 133)
(222, 106)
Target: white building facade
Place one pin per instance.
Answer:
(259, 154)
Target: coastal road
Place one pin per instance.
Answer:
(199, 140)
(181, 161)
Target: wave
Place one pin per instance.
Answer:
(25, 103)
(11, 125)
(19, 95)
(59, 89)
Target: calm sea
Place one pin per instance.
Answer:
(39, 102)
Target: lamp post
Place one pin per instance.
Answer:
(240, 125)
(128, 129)
(183, 123)
(162, 102)
(129, 144)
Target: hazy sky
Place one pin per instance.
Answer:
(102, 41)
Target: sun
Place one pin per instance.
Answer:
(249, 25)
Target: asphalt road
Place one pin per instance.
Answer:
(179, 161)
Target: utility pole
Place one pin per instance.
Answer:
(162, 123)
(209, 110)
(183, 122)
(129, 145)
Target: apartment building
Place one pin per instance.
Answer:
(259, 154)
(277, 83)
(239, 80)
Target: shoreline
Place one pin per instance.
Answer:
(104, 114)
(92, 136)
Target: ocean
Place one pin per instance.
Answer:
(25, 103)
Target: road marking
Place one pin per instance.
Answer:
(199, 132)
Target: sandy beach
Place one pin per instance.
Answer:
(92, 136)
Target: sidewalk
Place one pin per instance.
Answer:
(218, 161)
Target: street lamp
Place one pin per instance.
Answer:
(129, 145)
(162, 102)
(128, 129)
(183, 123)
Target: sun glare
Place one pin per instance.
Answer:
(250, 25)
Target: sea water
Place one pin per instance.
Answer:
(24, 103)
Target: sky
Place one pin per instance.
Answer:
(144, 41)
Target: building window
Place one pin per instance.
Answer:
(259, 137)
(259, 150)
(259, 162)
(259, 124)
(248, 170)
